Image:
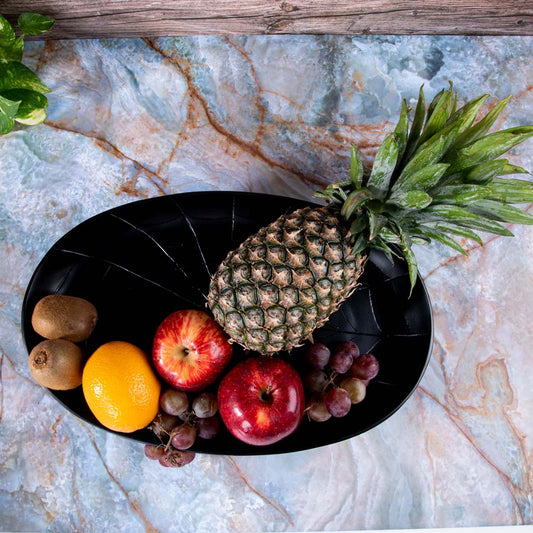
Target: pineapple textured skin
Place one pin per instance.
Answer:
(285, 281)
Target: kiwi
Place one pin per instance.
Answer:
(57, 364)
(58, 316)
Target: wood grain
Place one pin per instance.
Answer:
(130, 18)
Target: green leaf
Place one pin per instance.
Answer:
(401, 131)
(483, 126)
(382, 245)
(34, 23)
(429, 153)
(410, 258)
(356, 167)
(416, 126)
(360, 244)
(484, 173)
(459, 230)
(462, 217)
(413, 199)
(489, 147)
(438, 114)
(376, 223)
(460, 194)
(446, 213)
(333, 193)
(359, 224)
(8, 110)
(15, 75)
(384, 165)
(355, 200)
(32, 105)
(442, 237)
(12, 51)
(511, 191)
(502, 212)
(424, 179)
(7, 34)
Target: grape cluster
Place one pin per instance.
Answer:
(181, 419)
(336, 379)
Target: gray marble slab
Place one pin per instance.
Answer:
(138, 118)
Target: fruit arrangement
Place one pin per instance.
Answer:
(438, 178)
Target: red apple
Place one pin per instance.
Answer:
(190, 350)
(261, 400)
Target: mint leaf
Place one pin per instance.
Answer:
(14, 75)
(34, 24)
(8, 110)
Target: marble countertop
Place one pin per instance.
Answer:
(138, 118)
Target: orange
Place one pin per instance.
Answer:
(120, 387)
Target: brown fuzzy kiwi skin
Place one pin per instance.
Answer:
(59, 316)
(57, 364)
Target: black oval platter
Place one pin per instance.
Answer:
(141, 261)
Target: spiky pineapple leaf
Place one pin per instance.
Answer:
(483, 173)
(483, 126)
(460, 194)
(495, 210)
(442, 237)
(413, 199)
(384, 165)
(412, 265)
(416, 127)
(401, 131)
(459, 231)
(489, 147)
(462, 217)
(354, 200)
(356, 167)
(511, 191)
(438, 114)
(423, 179)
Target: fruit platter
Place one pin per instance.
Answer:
(242, 323)
(140, 262)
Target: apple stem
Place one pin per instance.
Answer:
(266, 394)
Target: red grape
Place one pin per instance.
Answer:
(163, 424)
(153, 452)
(208, 427)
(174, 402)
(341, 362)
(317, 355)
(338, 402)
(176, 458)
(355, 388)
(316, 380)
(348, 346)
(316, 409)
(183, 437)
(205, 405)
(366, 366)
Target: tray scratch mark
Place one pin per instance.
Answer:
(191, 227)
(156, 242)
(132, 272)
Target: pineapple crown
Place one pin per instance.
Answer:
(438, 178)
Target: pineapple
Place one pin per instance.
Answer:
(439, 178)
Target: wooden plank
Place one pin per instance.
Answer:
(131, 18)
